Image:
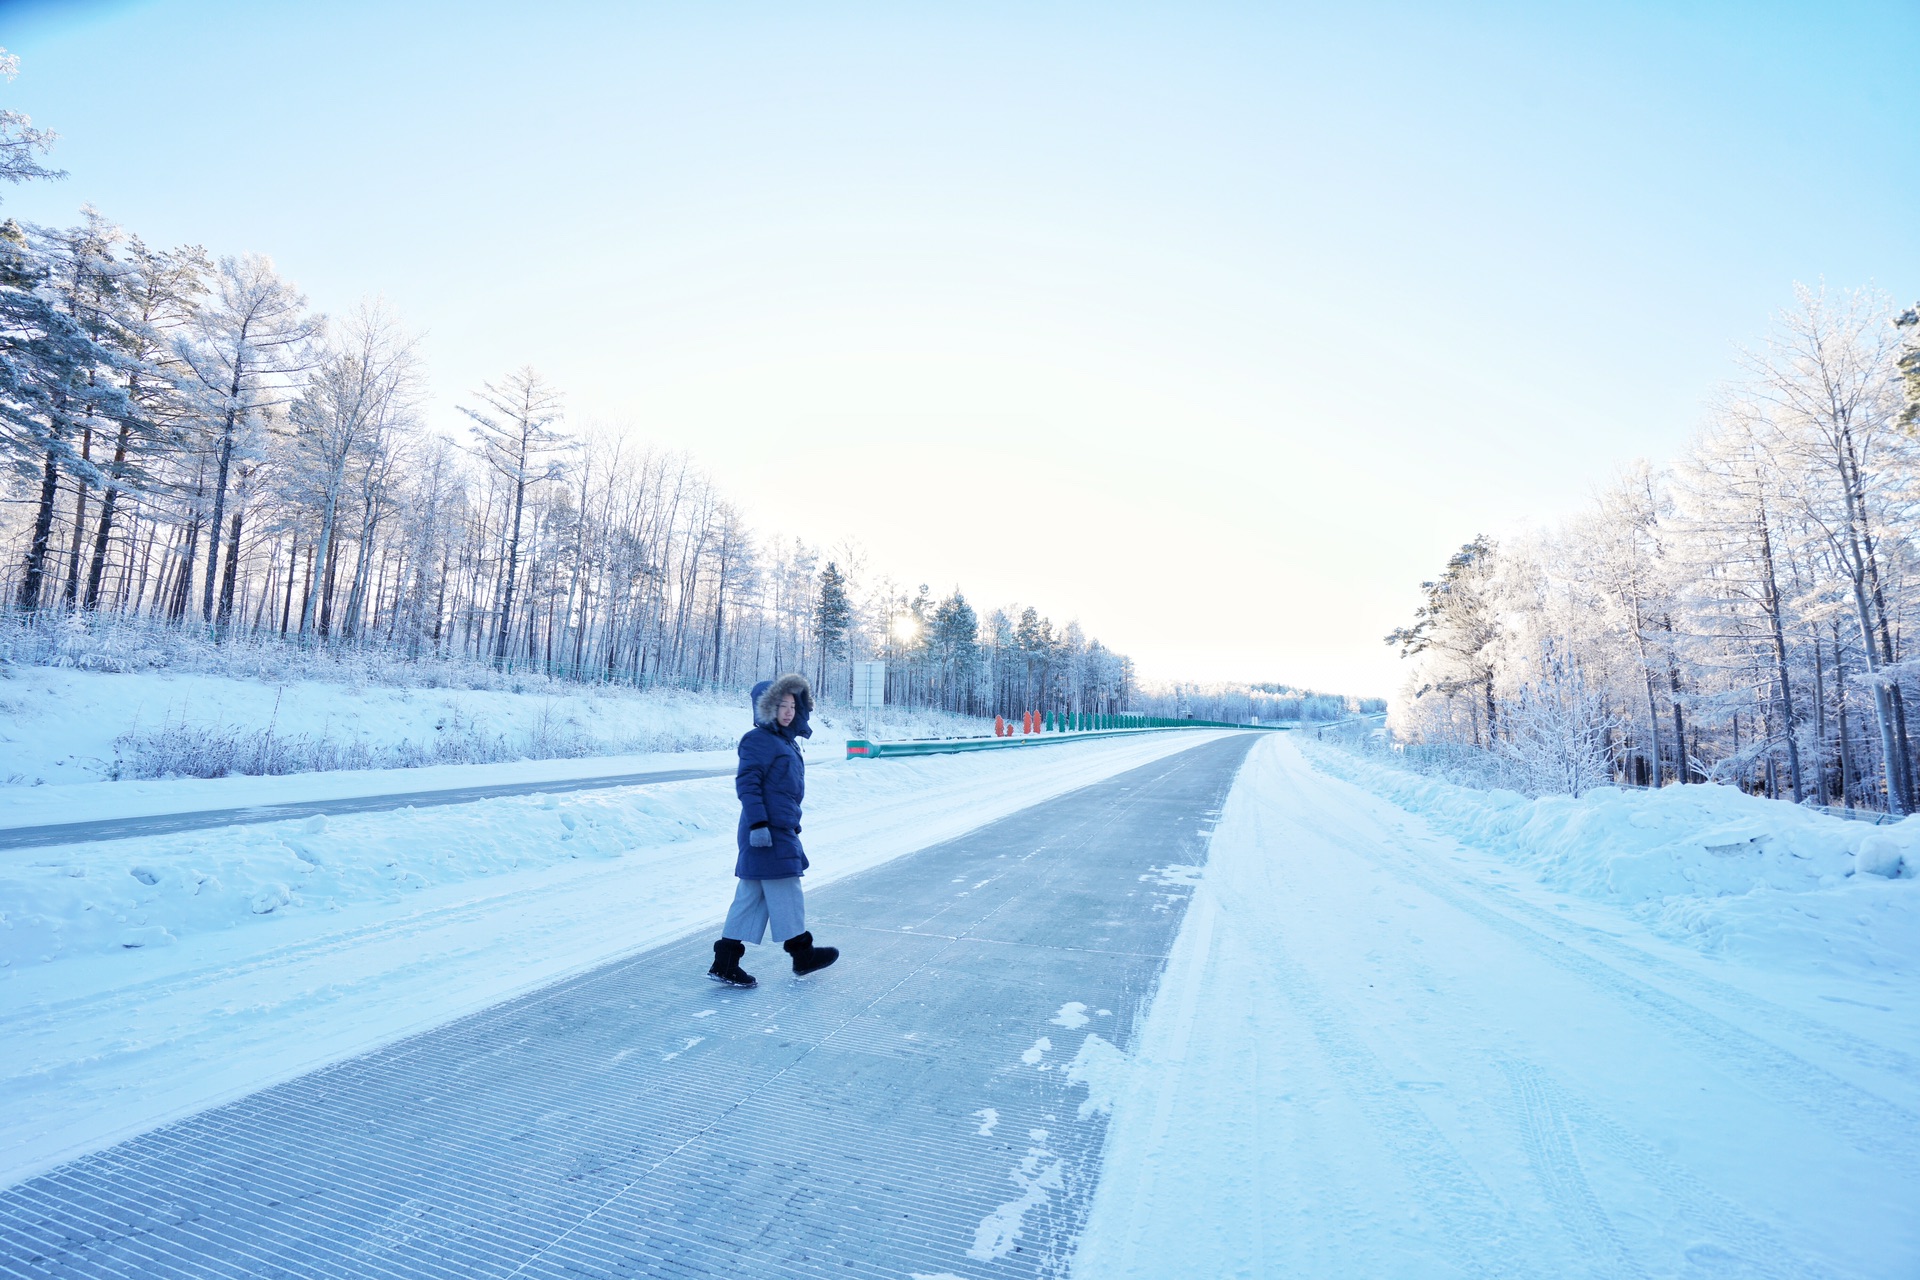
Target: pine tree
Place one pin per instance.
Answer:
(159, 295)
(832, 617)
(59, 374)
(956, 649)
(1460, 624)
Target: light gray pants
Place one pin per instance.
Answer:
(758, 903)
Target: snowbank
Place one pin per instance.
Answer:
(1730, 873)
(62, 725)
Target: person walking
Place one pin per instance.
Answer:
(771, 782)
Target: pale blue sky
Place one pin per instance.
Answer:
(1216, 326)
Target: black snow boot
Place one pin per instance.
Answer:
(726, 964)
(806, 956)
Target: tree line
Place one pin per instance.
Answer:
(1741, 615)
(188, 443)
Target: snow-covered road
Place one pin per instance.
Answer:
(1379, 1052)
(933, 1105)
(1447, 1034)
(148, 979)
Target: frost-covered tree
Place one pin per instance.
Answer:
(1908, 322)
(363, 390)
(1826, 384)
(832, 618)
(1628, 561)
(953, 648)
(1459, 627)
(19, 140)
(159, 295)
(241, 353)
(61, 371)
(1740, 615)
(1559, 735)
(515, 436)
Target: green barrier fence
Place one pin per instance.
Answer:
(1079, 728)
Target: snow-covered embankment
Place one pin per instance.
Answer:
(1382, 1049)
(1739, 876)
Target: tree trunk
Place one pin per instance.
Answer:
(79, 520)
(36, 564)
(220, 481)
(1882, 706)
(293, 571)
(1780, 658)
(505, 624)
(183, 584)
(109, 504)
(233, 571)
(1862, 568)
(1847, 771)
(1681, 765)
(326, 589)
(324, 552)
(213, 526)
(440, 602)
(306, 594)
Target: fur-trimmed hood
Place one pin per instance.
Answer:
(766, 702)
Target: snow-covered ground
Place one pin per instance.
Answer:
(1741, 877)
(142, 980)
(62, 726)
(1408, 1030)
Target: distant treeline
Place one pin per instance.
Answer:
(1243, 703)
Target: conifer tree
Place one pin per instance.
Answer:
(58, 375)
(1459, 623)
(832, 617)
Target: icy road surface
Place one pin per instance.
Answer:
(142, 980)
(932, 1105)
(1377, 1052)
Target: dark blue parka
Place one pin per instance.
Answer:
(772, 781)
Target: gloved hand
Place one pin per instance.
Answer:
(761, 837)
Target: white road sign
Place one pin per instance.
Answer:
(869, 684)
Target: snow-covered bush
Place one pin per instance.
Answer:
(1558, 738)
(123, 645)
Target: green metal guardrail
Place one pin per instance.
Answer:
(864, 750)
